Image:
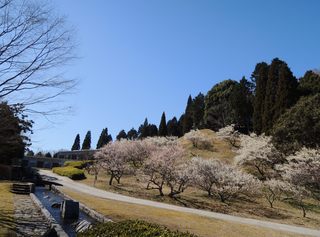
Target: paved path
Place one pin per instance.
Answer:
(79, 187)
(29, 219)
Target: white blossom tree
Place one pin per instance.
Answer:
(222, 180)
(161, 167)
(273, 189)
(259, 155)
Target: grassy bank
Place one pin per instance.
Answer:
(7, 224)
(198, 225)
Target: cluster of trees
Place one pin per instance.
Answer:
(294, 177)
(161, 162)
(104, 139)
(271, 102)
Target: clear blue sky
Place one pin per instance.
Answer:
(140, 58)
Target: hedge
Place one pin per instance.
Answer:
(78, 164)
(132, 228)
(70, 172)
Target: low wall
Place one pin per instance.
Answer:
(90, 212)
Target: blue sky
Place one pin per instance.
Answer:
(140, 58)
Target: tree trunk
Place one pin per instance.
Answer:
(111, 179)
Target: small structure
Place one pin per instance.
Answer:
(70, 210)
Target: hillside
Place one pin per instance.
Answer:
(221, 149)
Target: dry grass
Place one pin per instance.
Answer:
(7, 224)
(221, 149)
(257, 208)
(200, 226)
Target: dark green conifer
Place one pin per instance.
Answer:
(163, 131)
(76, 143)
(86, 145)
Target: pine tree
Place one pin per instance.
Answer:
(187, 120)
(180, 125)
(86, 145)
(153, 130)
(76, 143)
(163, 131)
(260, 78)
(173, 127)
(103, 139)
(122, 135)
(132, 134)
(198, 111)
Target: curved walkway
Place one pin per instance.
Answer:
(79, 187)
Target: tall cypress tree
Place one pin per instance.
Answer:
(86, 145)
(163, 131)
(187, 120)
(76, 143)
(198, 111)
(103, 139)
(271, 95)
(286, 94)
(260, 78)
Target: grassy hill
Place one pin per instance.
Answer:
(221, 149)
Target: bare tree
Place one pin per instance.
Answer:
(34, 43)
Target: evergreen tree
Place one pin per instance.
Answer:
(187, 120)
(12, 128)
(122, 135)
(241, 100)
(76, 143)
(104, 138)
(173, 127)
(271, 95)
(163, 131)
(286, 91)
(132, 134)
(260, 78)
(309, 84)
(180, 125)
(143, 130)
(218, 107)
(198, 111)
(86, 145)
(152, 130)
(48, 155)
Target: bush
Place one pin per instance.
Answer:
(132, 228)
(78, 164)
(70, 172)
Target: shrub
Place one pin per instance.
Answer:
(70, 172)
(132, 228)
(78, 164)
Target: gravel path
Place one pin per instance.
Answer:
(79, 187)
(29, 219)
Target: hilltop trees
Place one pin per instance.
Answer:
(187, 122)
(86, 145)
(76, 143)
(132, 134)
(173, 127)
(122, 135)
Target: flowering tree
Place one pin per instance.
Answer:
(114, 159)
(198, 140)
(273, 189)
(161, 167)
(230, 134)
(222, 180)
(93, 168)
(257, 153)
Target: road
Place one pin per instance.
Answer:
(79, 187)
